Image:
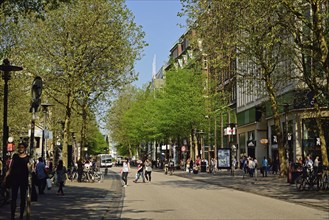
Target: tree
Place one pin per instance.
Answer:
(308, 23)
(249, 31)
(82, 46)
(115, 124)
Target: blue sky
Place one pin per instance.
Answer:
(160, 23)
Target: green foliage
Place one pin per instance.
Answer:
(82, 50)
(96, 142)
(182, 105)
(140, 116)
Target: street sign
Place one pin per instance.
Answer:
(183, 148)
(264, 141)
(10, 147)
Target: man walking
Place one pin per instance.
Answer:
(42, 176)
(264, 167)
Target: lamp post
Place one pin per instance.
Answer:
(6, 68)
(44, 111)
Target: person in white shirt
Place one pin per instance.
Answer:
(316, 164)
(251, 166)
(124, 171)
(256, 166)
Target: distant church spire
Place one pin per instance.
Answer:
(154, 70)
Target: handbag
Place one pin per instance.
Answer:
(49, 183)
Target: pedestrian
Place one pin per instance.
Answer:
(171, 166)
(212, 165)
(245, 165)
(316, 165)
(198, 161)
(207, 164)
(17, 175)
(140, 172)
(61, 177)
(51, 165)
(275, 167)
(125, 171)
(158, 163)
(256, 167)
(233, 165)
(0, 166)
(41, 175)
(264, 166)
(148, 170)
(251, 166)
(80, 169)
(191, 166)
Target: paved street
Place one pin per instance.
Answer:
(180, 196)
(81, 201)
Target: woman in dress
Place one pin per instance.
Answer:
(61, 177)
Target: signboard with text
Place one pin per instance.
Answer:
(224, 158)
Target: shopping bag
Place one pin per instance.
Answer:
(49, 184)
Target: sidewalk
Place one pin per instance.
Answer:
(101, 200)
(271, 186)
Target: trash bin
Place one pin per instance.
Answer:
(203, 167)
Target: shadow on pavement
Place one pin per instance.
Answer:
(77, 203)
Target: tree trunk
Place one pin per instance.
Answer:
(277, 127)
(83, 128)
(191, 147)
(66, 130)
(323, 143)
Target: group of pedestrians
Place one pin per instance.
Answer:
(144, 170)
(17, 175)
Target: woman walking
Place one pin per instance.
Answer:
(148, 170)
(17, 175)
(125, 171)
(61, 177)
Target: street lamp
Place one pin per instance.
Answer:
(44, 111)
(6, 68)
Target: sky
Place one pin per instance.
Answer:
(161, 25)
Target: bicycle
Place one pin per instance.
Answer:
(308, 180)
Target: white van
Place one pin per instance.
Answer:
(104, 160)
